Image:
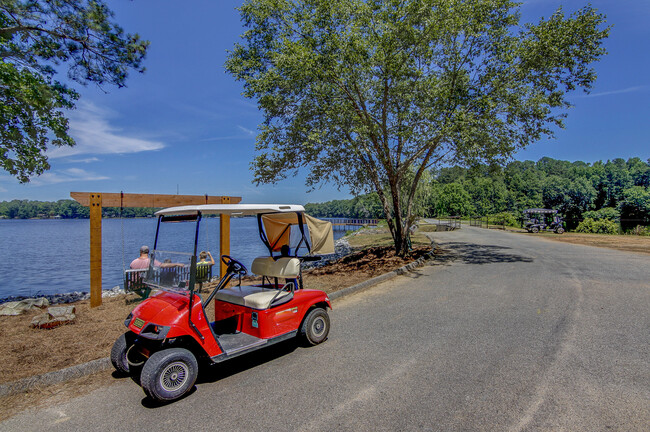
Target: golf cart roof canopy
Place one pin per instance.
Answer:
(276, 219)
(540, 210)
(230, 209)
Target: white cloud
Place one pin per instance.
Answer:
(67, 175)
(248, 131)
(613, 92)
(85, 160)
(90, 127)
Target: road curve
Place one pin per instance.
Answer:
(507, 332)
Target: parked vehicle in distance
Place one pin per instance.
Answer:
(169, 332)
(539, 219)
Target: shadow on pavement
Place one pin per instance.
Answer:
(212, 373)
(470, 253)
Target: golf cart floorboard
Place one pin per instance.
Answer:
(235, 342)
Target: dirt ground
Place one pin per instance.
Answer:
(26, 351)
(628, 243)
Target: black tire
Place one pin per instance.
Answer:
(560, 230)
(118, 355)
(169, 374)
(534, 230)
(316, 326)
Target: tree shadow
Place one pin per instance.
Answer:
(470, 253)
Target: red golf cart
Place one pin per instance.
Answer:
(169, 332)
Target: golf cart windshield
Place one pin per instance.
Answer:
(169, 270)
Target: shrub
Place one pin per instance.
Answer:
(508, 219)
(602, 226)
(604, 213)
(639, 230)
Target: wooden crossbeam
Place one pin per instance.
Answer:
(97, 200)
(149, 200)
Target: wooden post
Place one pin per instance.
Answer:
(95, 250)
(224, 238)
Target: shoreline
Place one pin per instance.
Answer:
(342, 248)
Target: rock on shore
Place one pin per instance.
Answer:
(341, 248)
(67, 297)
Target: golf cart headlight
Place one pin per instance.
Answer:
(127, 321)
(155, 331)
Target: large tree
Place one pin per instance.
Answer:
(365, 92)
(37, 37)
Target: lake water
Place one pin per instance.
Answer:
(53, 256)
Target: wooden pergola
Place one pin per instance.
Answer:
(97, 200)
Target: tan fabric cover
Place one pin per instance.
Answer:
(278, 228)
(250, 296)
(282, 268)
(321, 233)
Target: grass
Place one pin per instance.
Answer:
(368, 237)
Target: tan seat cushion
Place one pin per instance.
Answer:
(285, 267)
(250, 296)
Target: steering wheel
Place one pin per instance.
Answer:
(234, 265)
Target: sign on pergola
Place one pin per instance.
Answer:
(97, 200)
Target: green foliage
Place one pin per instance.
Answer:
(361, 207)
(362, 93)
(635, 207)
(453, 200)
(36, 37)
(603, 226)
(639, 230)
(65, 209)
(577, 189)
(505, 218)
(609, 213)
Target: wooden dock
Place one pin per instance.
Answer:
(353, 222)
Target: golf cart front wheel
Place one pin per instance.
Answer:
(316, 326)
(169, 374)
(118, 355)
(559, 230)
(534, 230)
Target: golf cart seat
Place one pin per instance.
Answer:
(264, 297)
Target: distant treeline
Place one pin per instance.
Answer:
(616, 190)
(64, 209)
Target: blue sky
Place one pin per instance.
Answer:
(184, 126)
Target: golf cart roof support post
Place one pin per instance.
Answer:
(302, 231)
(265, 240)
(155, 242)
(189, 312)
(123, 200)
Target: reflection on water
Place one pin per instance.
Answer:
(52, 256)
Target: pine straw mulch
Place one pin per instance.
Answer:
(25, 351)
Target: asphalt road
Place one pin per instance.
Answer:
(509, 333)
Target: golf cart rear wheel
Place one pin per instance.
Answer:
(534, 230)
(118, 355)
(169, 374)
(316, 326)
